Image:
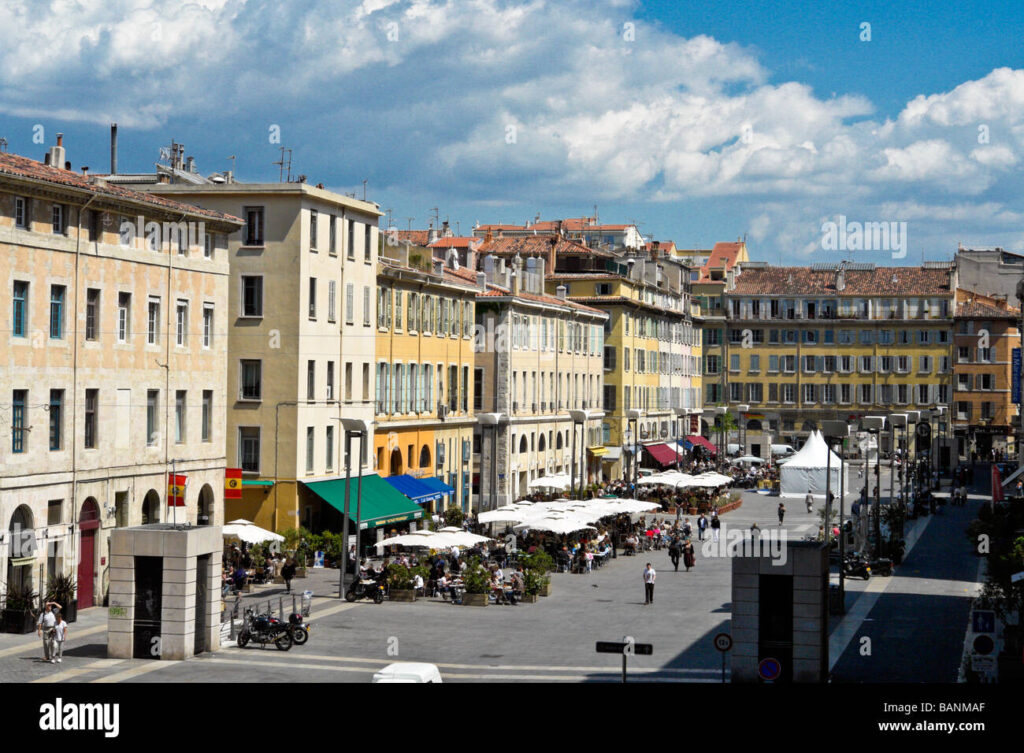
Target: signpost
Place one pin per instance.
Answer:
(983, 621)
(626, 647)
(983, 625)
(723, 642)
(769, 669)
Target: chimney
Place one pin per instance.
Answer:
(841, 279)
(432, 235)
(439, 267)
(56, 156)
(113, 148)
(515, 280)
(488, 236)
(553, 255)
(190, 166)
(730, 279)
(481, 280)
(560, 292)
(85, 171)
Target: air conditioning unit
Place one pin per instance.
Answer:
(442, 411)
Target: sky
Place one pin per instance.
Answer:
(700, 121)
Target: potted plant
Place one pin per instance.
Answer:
(478, 583)
(19, 614)
(61, 589)
(534, 581)
(401, 586)
(453, 516)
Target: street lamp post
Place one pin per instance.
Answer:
(632, 417)
(490, 420)
(353, 427)
(875, 425)
(836, 430)
(743, 411)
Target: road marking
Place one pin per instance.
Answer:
(801, 529)
(36, 643)
(850, 624)
(73, 673)
(141, 669)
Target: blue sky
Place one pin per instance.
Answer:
(699, 121)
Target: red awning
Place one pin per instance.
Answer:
(699, 440)
(664, 454)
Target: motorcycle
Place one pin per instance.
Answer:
(365, 589)
(298, 629)
(881, 566)
(855, 566)
(263, 630)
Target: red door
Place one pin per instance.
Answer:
(85, 568)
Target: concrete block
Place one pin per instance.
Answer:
(810, 653)
(179, 563)
(121, 561)
(809, 583)
(744, 565)
(778, 566)
(745, 580)
(806, 637)
(148, 543)
(179, 576)
(807, 624)
(122, 575)
(745, 608)
(748, 595)
(179, 589)
(119, 645)
(121, 542)
(175, 647)
(748, 635)
(806, 610)
(119, 588)
(808, 597)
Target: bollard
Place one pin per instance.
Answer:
(280, 608)
(294, 610)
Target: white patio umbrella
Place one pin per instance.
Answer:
(748, 459)
(556, 525)
(556, 481)
(717, 478)
(636, 505)
(249, 532)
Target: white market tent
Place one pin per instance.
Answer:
(249, 532)
(805, 471)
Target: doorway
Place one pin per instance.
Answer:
(88, 525)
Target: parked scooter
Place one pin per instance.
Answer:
(881, 566)
(365, 589)
(855, 566)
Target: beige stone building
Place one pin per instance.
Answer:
(112, 363)
(301, 350)
(539, 372)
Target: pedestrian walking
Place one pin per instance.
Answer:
(60, 634)
(44, 629)
(288, 572)
(702, 526)
(782, 512)
(716, 524)
(689, 557)
(649, 576)
(809, 501)
(674, 552)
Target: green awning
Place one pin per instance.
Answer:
(256, 482)
(382, 504)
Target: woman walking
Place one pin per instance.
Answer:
(689, 559)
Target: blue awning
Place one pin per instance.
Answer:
(436, 484)
(413, 488)
(684, 444)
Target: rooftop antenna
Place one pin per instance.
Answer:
(391, 221)
(232, 158)
(595, 215)
(364, 189)
(437, 217)
(3, 144)
(410, 222)
(458, 228)
(284, 163)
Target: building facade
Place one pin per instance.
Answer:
(113, 373)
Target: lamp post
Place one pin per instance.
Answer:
(579, 418)
(490, 420)
(913, 418)
(897, 420)
(743, 411)
(940, 441)
(352, 427)
(632, 417)
(875, 425)
(836, 430)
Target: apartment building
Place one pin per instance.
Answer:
(424, 379)
(114, 351)
(301, 343)
(539, 379)
(587, 231)
(984, 415)
(836, 341)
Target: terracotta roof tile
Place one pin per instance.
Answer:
(880, 281)
(538, 245)
(23, 167)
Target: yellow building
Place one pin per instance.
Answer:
(835, 341)
(424, 376)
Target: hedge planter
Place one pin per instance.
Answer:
(729, 507)
(70, 611)
(402, 594)
(545, 590)
(300, 572)
(18, 621)
(474, 600)
(529, 599)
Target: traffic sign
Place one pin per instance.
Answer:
(924, 430)
(985, 665)
(723, 642)
(769, 669)
(983, 645)
(983, 621)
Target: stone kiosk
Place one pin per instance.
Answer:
(780, 613)
(165, 584)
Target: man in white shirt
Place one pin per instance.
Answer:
(44, 628)
(649, 576)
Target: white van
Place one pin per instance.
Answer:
(408, 672)
(783, 449)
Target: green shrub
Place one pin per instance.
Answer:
(21, 599)
(476, 577)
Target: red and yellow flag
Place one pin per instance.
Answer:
(233, 483)
(176, 490)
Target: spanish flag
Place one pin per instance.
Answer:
(233, 483)
(176, 490)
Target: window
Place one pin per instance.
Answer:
(963, 382)
(18, 427)
(251, 387)
(20, 311)
(809, 393)
(58, 293)
(984, 355)
(924, 364)
(465, 390)
(755, 364)
(789, 364)
(181, 318)
(331, 302)
(92, 314)
(208, 243)
(865, 393)
(348, 381)
(867, 364)
(311, 380)
(310, 447)
(207, 325)
(207, 417)
(366, 381)
(152, 416)
(329, 443)
(351, 239)
(249, 449)
(367, 248)
(124, 305)
(333, 248)
(312, 298)
(252, 296)
(180, 397)
(22, 218)
(734, 362)
(828, 394)
(903, 364)
(153, 322)
(58, 220)
(735, 392)
(773, 364)
(91, 403)
(253, 226)
(845, 394)
(789, 393)
(884, 364)
(313, 222)
(478, 389)
(809, 364)
(366, 305)
(963, 354)
(330, 380)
